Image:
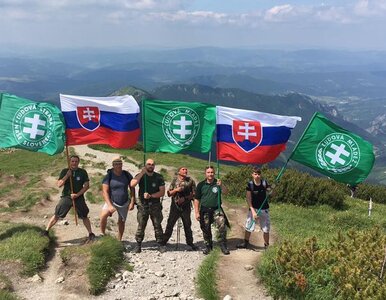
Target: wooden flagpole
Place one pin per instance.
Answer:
(71, 186)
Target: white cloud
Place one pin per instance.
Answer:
(279, 13)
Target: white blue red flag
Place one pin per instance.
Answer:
(250, 137)
(101, 120)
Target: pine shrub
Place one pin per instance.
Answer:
(294, 187)
(351, 267)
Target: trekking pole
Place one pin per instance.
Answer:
(179, 225)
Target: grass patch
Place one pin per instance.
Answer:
(7, 295)
(106, 258)
(206, 281)
(21, 242)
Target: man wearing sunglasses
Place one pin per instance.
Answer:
(151, 190)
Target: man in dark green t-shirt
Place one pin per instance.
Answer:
(80, 184)
(207, 210)
(151, 190)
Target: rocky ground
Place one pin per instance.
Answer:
(169, 275)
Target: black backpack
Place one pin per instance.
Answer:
(110, 173)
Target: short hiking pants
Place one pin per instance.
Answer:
(65, 205)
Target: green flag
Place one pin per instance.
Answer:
(172, 126)
(31, 125)
(334, 151)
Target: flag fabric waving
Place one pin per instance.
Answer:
(173, 126)
(29, 125)
(101, 120)
(250, 136)
(334, 151)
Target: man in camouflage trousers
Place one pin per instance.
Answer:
(207, 210)
(151, 190)
(181, 190)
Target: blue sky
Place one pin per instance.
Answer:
(357, 24)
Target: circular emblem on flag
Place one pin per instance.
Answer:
(32, 126)
(337, 153)
(180, 126)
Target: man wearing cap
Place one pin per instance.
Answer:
(73, 192)
(256, 198)
(151, 190)
(115, 187)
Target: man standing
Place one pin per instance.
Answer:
(151, 189)
(207, 209)
(256, 199)
(80, 184)
(115, 187)
(181, 190)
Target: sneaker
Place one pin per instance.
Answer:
(193, 246)
(162, 249)
(243, 245)
(138, 248)
(224, 250)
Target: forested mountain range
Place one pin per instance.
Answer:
(349, 87)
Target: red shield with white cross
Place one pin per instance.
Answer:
(247, 134)
(88, 117)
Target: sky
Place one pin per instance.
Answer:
(339, 24)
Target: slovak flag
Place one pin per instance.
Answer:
(101, 120)
(250, 137)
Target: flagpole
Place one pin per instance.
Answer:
(278, 177)
(71, 186)
(144, 139)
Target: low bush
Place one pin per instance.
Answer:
(366, 191)
(206, 276)
(350, 267)
(294, 187)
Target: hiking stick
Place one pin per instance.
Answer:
(71, 187)
(179, 225)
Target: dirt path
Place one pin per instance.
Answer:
(236, 272)
(168, 275)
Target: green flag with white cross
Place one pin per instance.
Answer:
(174, 126)
(334, 151)
(29, 125)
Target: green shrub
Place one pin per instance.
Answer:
(348, 268)
(294, 187)
(366, 191)
(106, 258)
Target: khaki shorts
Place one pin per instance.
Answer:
(122, 210)
(263, 219)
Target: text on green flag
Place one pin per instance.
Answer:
(334, 151)
(31, 125)
(173, 126)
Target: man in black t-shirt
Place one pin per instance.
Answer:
(151, 190)
(256, 199)
(72, 192)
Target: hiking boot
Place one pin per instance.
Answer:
(137, 248)
(162, 248)
(91, 236)
(193, 246)
(224, 249)
(266, 246)
(207, 249)
(45, 233)
(243, 245)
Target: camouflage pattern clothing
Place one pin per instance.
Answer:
(181, 210)
(149, 207)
